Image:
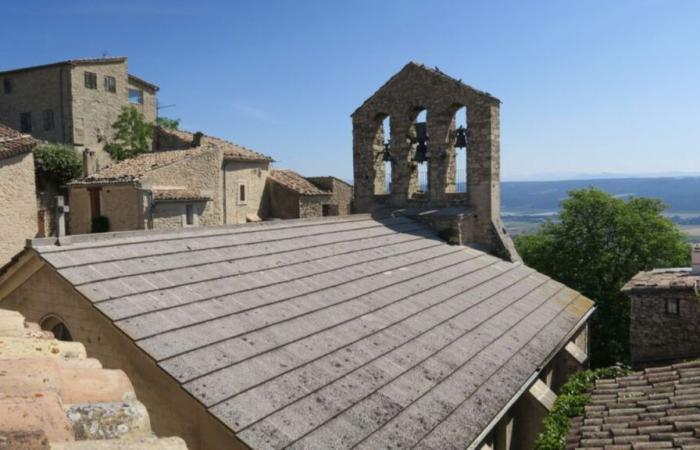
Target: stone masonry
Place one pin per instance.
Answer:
(472, 217)
(664, 316)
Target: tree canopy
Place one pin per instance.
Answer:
(61, 163)
(166, 122)
(132, 135)
(596, 246)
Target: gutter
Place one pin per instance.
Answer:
(497, 418)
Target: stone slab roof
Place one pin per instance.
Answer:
(295, 182)
(663, 279)
(330, 332)
(53, 396)
(658, 408)
(13, 143)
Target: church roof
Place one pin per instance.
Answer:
(331, 332)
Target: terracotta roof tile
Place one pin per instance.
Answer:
(230, 150)
(14, 143)
(296, 182)
(53, 396)
(655, 408)
(165, 194)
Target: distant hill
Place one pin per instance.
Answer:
(682, 194)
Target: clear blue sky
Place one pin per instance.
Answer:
(588, 86)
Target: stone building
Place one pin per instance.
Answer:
(341, 194)
(19, 218)
(292, 196)
(665, 314)
(653, 409)
(53, 397)
(73, 102)
(189, 180)
(388, 163)
(359, 331)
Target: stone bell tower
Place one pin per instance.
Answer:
(413, 169)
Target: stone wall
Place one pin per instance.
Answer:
(122, 204)
(341, 198)
(149, 108)
(172, 410)
(171, 214)
(252, 175)
(36, 91)
(18, 221)
(312, 205)
(284, 202)
(657, 336)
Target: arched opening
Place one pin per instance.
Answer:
(383, 158)
(461, 131)
(420, 178)
(57, 326)
(387, 157)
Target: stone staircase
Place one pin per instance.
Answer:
(52, 396)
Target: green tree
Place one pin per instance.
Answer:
(132, 135)
(60, 163)
(598, 244)
(165, 122)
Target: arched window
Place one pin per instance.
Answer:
(386, 155)
(420, 182)
(57, 326)
(384, 159)
(461, 133)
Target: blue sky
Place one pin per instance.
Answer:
(588, 86)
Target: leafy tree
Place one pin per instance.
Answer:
(598, 244)
(60, 163)
(132, 135)
(165, 122)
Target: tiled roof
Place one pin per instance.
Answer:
(13, 143)
(658, 408)
(53, 396)
(133, 169)
(296, 182)
(230, 150)
(328, 332)
(144, 82)
(71, 62)
(165, 194)
(663, 279)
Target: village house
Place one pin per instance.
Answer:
(292, 196)
(359, 331)
(19, 220)
(341, 194)
(665, 314)
(74, 102)
(53, 396)
(188, 180)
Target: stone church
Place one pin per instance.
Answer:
(362, 331)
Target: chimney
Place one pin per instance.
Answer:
(89, 162)
(197, 139)
(696, 259)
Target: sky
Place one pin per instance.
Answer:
(588, 87)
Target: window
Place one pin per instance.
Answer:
(136, 96)
(90, 80)
(189, 215)
(56, 325)
(25, 122)
(48, 119)
(241, 193)
(110, 84)
(672, 306)
(7, 85)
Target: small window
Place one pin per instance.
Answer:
(241, 193)
(110, 84)
(7, 85)
(48, 120)
(189, 215)
(90, 80)
(672, 306)
(25, 122)
(136, 96)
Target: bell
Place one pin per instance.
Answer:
(387, 154)
(421, 153)
(422, 140)
(461, 137)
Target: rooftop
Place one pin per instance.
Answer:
(51, 395)
(663, 279)
(658, 408)
(70, 62)
(331, 332)
(13, 143)
(295, 182)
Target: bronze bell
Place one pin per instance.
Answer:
(422, 140)
(387, 152)
(461, 137)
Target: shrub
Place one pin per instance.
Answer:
(60, 163)
(574, 395)
(100, 224)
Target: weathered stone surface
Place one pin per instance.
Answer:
(171, 443)
(109, 420)
(15, 347)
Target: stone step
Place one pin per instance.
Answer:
(18, 347)
(28, 376)
(115, 420)
(171, 443)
